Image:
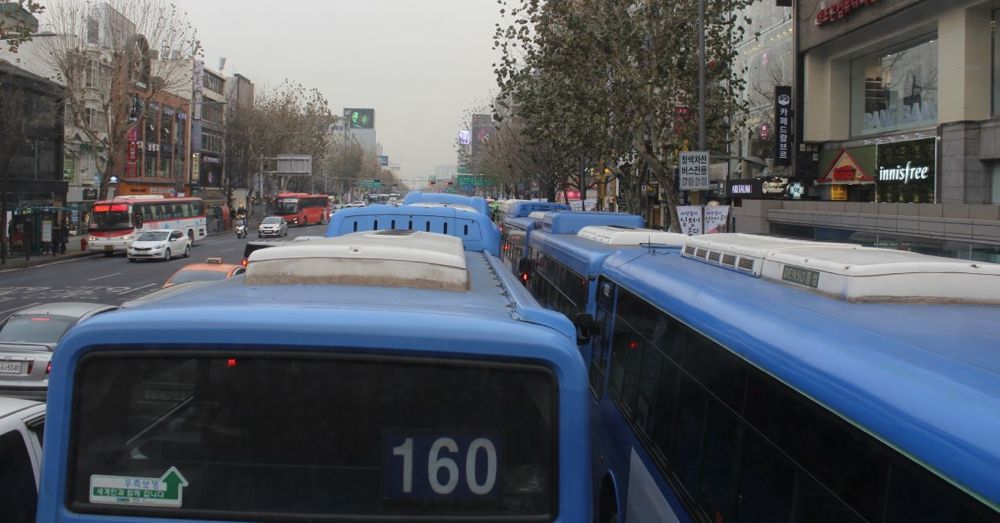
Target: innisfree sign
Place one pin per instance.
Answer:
(164, 491)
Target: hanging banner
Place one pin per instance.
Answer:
(690, 218)
(783, 143)
(693, 171)
(716, 219)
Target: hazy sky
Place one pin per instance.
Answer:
(420, 63)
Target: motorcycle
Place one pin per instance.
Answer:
(241, 230)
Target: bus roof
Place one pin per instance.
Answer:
(526, 223)
(493, 298)
(570, 222)
(585, 255)
(924, 378)
(476, 202)
(524, 208)
(474, 228)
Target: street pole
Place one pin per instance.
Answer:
(701, 76)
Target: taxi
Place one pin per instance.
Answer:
(212, 269)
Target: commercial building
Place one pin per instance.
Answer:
(897, 128)
(31, 143)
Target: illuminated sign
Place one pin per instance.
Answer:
(839, 9)
(360, 118)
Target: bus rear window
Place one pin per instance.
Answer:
(266, 436)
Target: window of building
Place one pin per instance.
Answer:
(93, 31)
(213, 82)
(996, 70)
(995, 196)
(895, 88)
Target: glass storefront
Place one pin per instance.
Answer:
(933, 246)
(896, 88)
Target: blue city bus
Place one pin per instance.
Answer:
(474, 228)
(514, 236)
(387, 375)
(757, 379)
(568, 222)
(524, 208)
(563, 269)
(476, 202)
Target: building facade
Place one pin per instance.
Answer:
(898, 128)
(31, 167)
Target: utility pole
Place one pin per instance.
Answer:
(702, 146)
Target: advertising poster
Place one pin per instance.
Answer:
(716, 219)
(690, 218)
(907, 171)
(46, 230)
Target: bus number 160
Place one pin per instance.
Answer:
(433, 466)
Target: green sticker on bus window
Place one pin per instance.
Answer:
(164, 491)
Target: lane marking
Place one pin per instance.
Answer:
(136, 289)
(20, 307)
(105, 276)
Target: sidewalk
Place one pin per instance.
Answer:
(16, 260)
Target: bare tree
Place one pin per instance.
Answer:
(114, 57)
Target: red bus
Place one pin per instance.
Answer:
(302, 208)
(115, 223)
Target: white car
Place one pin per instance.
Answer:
(159, 243)
(272, 226)
(21, 426)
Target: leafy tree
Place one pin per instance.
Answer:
(610, 84)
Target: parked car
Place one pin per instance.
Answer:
(159, 243)
(29, 337)
(272, 226)
(21, 426)
(212, 269)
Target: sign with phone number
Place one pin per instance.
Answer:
(430, 466)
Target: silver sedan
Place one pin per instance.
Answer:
(28, 339)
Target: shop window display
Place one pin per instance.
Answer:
(896, 88)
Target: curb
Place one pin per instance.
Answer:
(41, 260)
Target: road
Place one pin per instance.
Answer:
(113, 280)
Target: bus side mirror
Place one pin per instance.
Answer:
(137, 218)
(585, 326)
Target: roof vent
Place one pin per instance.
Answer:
(629, 236)
(388, 258)
(855, 273)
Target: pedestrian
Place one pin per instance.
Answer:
(64, 237)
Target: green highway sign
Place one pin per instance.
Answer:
(462, 169)
(371, 185)
(164, 491)
(465, 179)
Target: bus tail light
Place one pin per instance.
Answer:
(230, 362)
(48, 368)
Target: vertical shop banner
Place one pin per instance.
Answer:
(716, 219)
(783, 142)
(690, 218)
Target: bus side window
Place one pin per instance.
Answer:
(147, 212)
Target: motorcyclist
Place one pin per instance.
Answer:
(241, 227)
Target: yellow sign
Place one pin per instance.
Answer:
(838, 193)
(195, 168)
